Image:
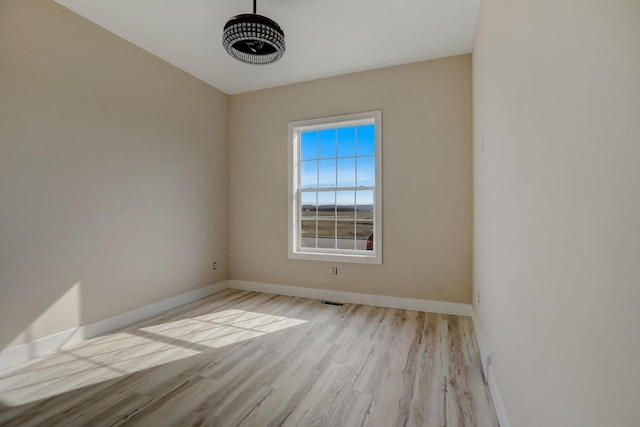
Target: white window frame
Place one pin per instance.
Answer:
(334, 255)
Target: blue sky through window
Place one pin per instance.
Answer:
(342, 157)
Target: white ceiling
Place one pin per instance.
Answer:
(324, 37)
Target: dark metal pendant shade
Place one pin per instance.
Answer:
(253, 38)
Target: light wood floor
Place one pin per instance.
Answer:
(249, 359)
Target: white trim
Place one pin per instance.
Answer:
(482, 346)
(293, 129)
(42, 346)
(51, 343)
(430, 306)
(337, 257)
(485, 357)
(21, 353)
(498, 404)
(345, 120)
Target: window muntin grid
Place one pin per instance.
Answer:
(335, 184)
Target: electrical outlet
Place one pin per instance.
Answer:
(478, 297)
(215, 265)
(334, 271)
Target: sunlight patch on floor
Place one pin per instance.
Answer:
(135, 349)
(223, 328)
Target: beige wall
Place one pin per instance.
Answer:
(557, 208)
(113, 174)
(427, 163)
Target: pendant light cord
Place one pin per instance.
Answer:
(254, 6)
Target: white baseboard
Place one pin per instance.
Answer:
(498, 404)
(40, 347)
(356, 298)
(482, 346)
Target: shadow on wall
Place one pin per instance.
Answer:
(37, 311)
(112, 184)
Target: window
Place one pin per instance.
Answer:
(335, 188)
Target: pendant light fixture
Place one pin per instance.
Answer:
(253, 38)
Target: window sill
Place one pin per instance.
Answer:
(330, 257)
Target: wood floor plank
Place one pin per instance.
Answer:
(252, 359)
